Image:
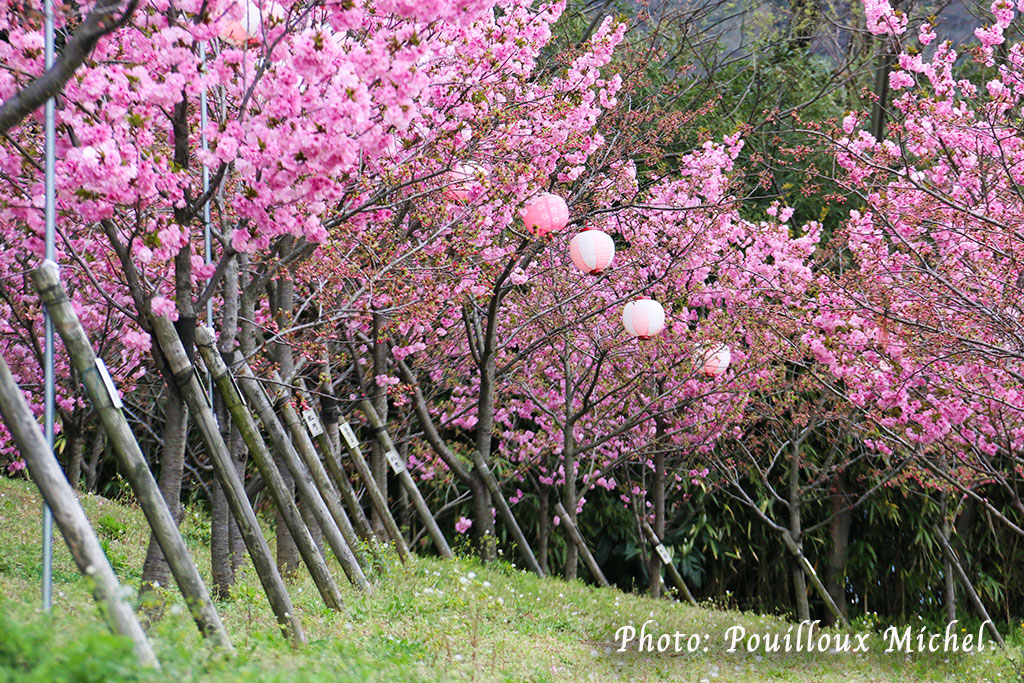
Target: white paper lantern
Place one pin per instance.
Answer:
(643, 318)
(592, 251)
(715, 363)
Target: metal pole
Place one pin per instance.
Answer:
(48, 379)
(207, 237)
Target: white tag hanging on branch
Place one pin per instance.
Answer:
(395, 460)
(312, 421)
(663, 553)
(349, 435)
(108, 384)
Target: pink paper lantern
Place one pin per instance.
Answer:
(716, 362)
(592, 251)
(546, 214)
(461, 178)
(247, 28)
(643, 318)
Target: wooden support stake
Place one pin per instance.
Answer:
(70, 517)
(398, 467)
(971, 593)
(257, 398)
(662, 553)
(202, 414)
(577, 537)
(107, 405)
(307, 451)
(279, 493)
(328, 441)
(372, 490)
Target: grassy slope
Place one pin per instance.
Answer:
(429, 620)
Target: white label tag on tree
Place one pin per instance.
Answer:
(350, 436)
(115, 397)
(312, 422)
(395, 460)
(663, 553)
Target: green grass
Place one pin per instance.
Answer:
(428, 620)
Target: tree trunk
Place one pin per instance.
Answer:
(569, 495)
(226, 544)
(658, 502)
(950, 582)
(543, 526)
(155, 571)
(281, 301)
(74, 432)
(803, 608)
(835, 578)
(378, 463)
(92, 470)
(484, 541)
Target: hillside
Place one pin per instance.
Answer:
(428, 620)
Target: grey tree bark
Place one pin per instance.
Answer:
(133, 464)
(70, 517)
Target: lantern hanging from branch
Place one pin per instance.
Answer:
(643, 318)
(715, 362)
(546, 214)
(461, 178)
(592, 251)
(247, 29)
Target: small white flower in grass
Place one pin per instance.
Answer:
(428, 591)
(471, 575)
(458, 658)
(463, 580)
(487, 584)
(175, 610)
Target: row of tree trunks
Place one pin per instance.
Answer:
(307, 452)
(217, 450)
(70, 517)
(134, 466)
(285, 451)
(402, 473)
(283, 500)
(377, 500)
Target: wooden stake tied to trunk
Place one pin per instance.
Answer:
(285, 450)
(234, 490)
(377, 500)
(662, 553)
(581, 543)
(70, 517)
(279, 493)
(107, 403)
(398, 467)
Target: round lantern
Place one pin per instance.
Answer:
(715, 363)
(248, 28)
(643, 318)
(462, 176)
(592, 251)
(546, 214)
